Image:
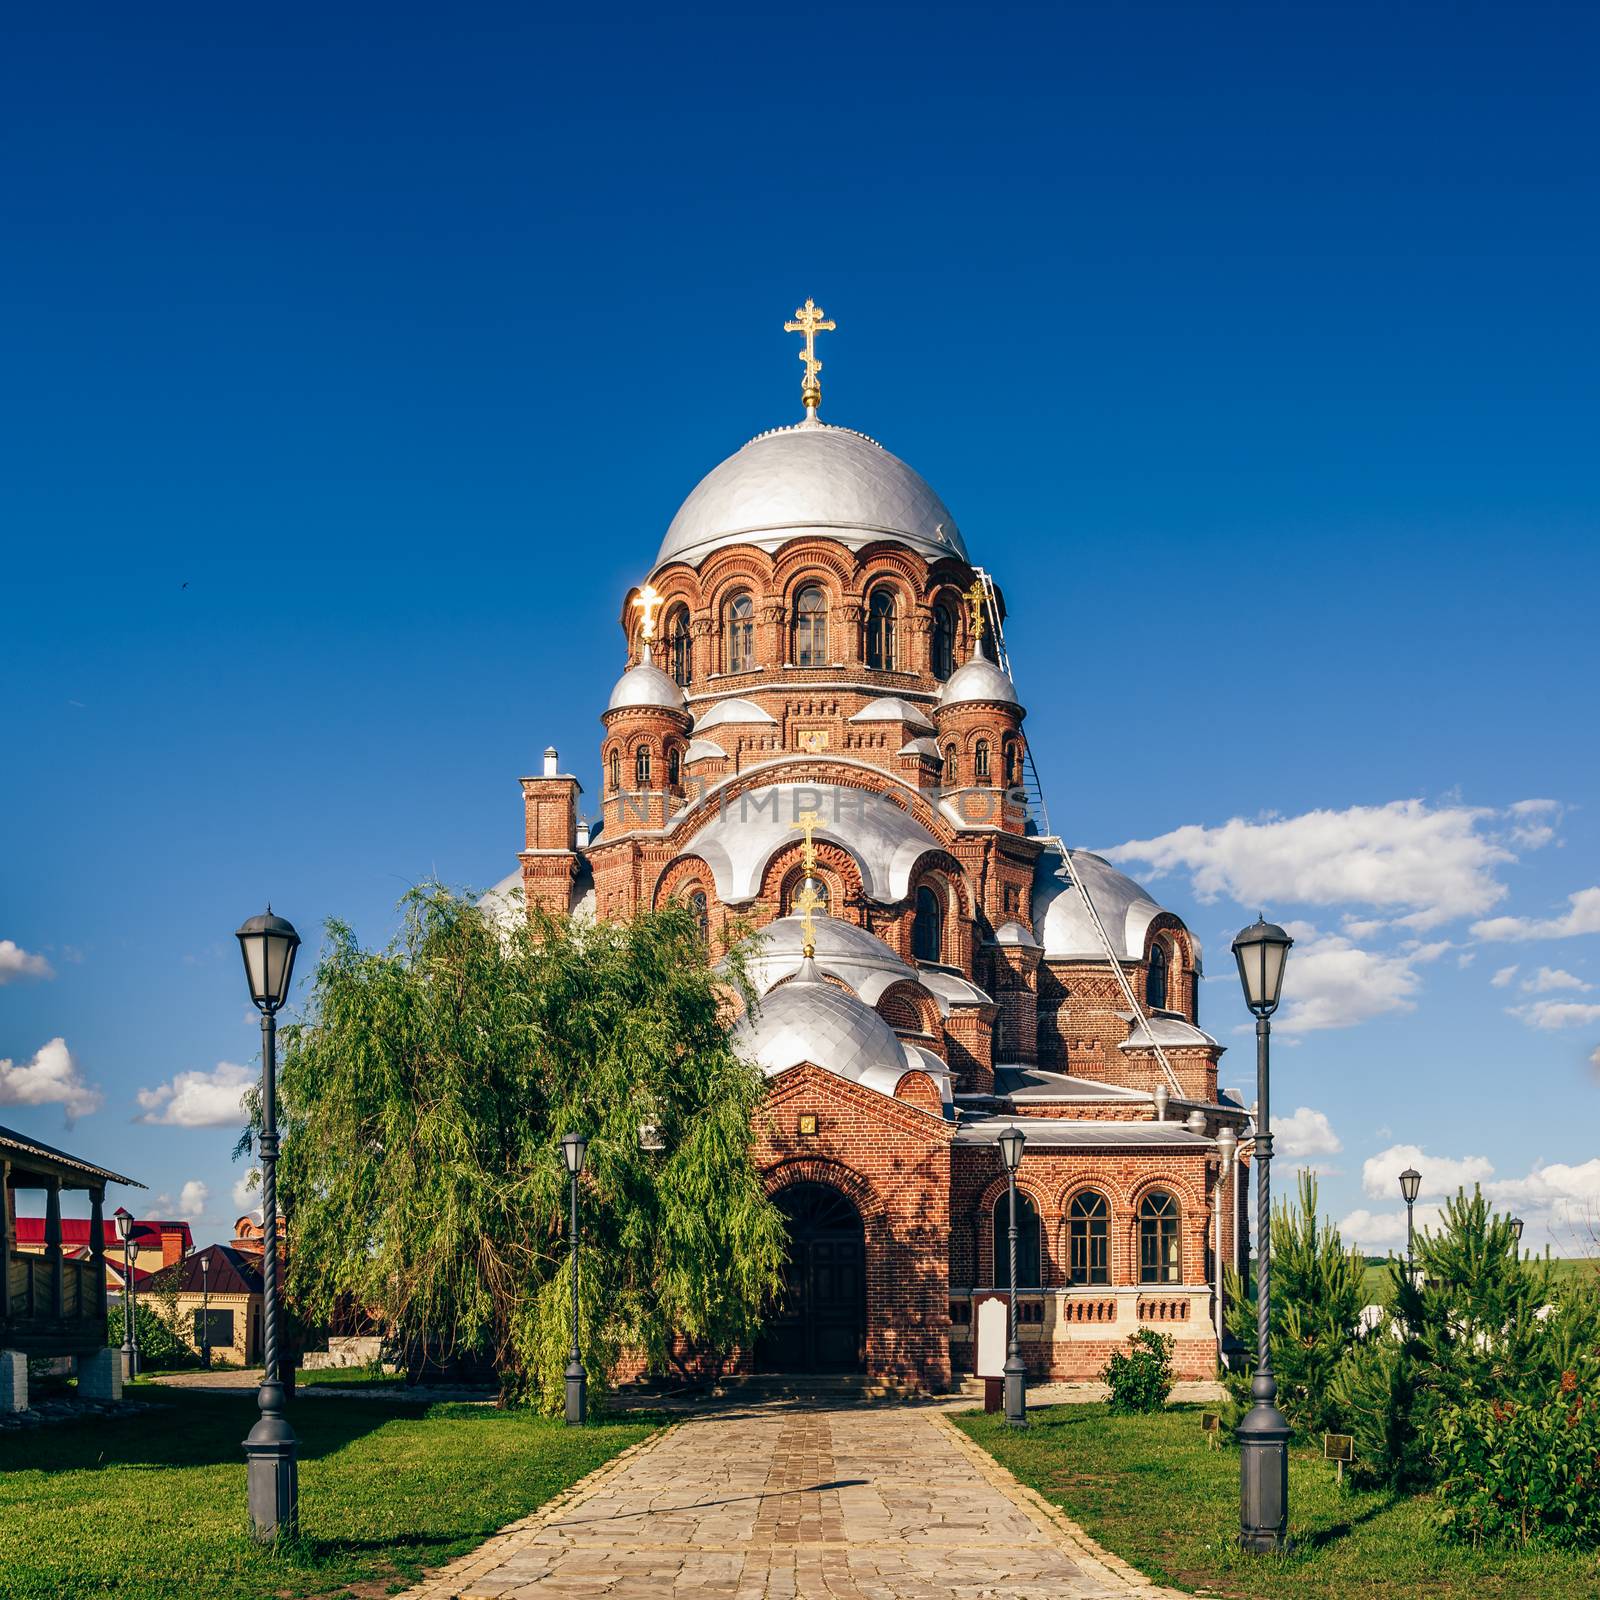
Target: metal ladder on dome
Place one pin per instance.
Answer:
(1036, 808)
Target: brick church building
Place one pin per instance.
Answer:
(817, 734)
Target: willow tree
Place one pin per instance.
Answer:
(424, 1095)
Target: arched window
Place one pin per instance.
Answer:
(1088, 1222)
(821, 908)
(951, 767)
(1159, 1256)
(943, 641)
(1155, 982)
(1013, 764)
(927, 928)
(811, 627)
(1027, 1242)
(641, 767)
(980, 761)
(616, 770)
(702, 914)
(674, 766)
(679, 649)
(880, 630)
(739, 652)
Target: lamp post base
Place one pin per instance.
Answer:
(1263, 1474)
(577, 1395)
(1016, 1392)
(273, 1477)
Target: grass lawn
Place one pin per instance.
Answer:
(1149, 1489)
(1378, 1279)
(154, 1506)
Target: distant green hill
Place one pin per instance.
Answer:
(1377, 1279)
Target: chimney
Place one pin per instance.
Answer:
(583, 833)
(552, 762)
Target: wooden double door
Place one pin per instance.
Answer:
(820, 1322)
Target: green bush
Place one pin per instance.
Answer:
(1317, 1295)
(1472, 1328)
(1141, 1376)
(1515, 1473)
(160, 1348)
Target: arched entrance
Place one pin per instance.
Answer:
(821, 1319)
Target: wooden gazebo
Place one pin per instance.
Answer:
(53, 1306)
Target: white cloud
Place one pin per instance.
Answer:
(1534, 822)
(1467, 959)
(1504, 976)
(1550, 1015)
(1379, 1231)
(199, 1099)
(51, 1078)
(190, 1204)
(1332, 983)
(1306, 1133)
(1582, 916)
(1562, 1195)
(1427, 863)
(15, 962)
(247, 1191)
(1441, 1175)
(1548, 978)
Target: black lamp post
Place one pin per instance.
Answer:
(268, 944)
(1016, 1377)
(1516, 1232)
(130, 1327)
(205, 1312)
(1410, 1183)
(1261, 951)
(574, 1148)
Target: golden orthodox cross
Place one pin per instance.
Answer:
(647, 601)
(806, 822)
(810, 321)
(806, 902)
(974, 599)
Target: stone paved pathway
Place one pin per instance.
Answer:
(768, 1503)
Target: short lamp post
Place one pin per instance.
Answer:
(1410, 1184)
(268, 944)
(205, 1311)
(1516, 1233)
(130, 1325)
(1261, 951)
(574, 1150)
(1227, 1147)
(1016, 1378)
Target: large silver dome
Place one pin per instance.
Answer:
(810, 478)
(1060, 921)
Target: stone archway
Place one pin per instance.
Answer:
(820, 1322)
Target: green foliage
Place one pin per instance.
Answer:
(160, 1347)
(1317, 1298)
(1516, 1473)
(1468, 1329)
(1141, 1376)
(424, 1096)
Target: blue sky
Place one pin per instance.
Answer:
(355, 358)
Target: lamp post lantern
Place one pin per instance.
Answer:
(205, 1311)
(268, 944)
(1227, 1147)
(1410, 1184)
(1261, 951)
(1016, 1378)
(574, 1151)
(1516, 1232)
(130, 1327)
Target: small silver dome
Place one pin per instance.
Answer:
(646, 685)
(809, 1019)
(979, 679)
(1015, 933)
(810, 478)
